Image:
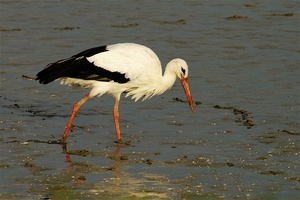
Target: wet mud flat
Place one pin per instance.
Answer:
(145, 166)
(242, 142)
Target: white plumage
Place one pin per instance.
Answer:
(114, 69)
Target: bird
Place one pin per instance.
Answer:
(114, 69)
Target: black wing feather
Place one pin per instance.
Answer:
(79, 67)
(90, 52)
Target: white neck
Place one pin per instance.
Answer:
(168, 80)
(158, 87)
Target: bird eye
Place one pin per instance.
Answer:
(183, 70)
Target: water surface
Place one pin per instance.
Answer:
(243, 56)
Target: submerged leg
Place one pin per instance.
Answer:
(75, 110)
(116, 119)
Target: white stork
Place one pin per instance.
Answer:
(113, 69)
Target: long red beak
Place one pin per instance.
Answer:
(187, 91)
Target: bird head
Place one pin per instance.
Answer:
(181, 70)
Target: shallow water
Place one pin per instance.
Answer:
(243, 56)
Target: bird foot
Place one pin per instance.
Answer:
(119, 141)
(62, 141)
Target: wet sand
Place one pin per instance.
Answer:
(242, 142)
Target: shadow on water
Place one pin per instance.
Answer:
(72, 183)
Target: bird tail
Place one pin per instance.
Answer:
(54, 70)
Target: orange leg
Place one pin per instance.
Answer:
(116, 119)
(75, 110)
